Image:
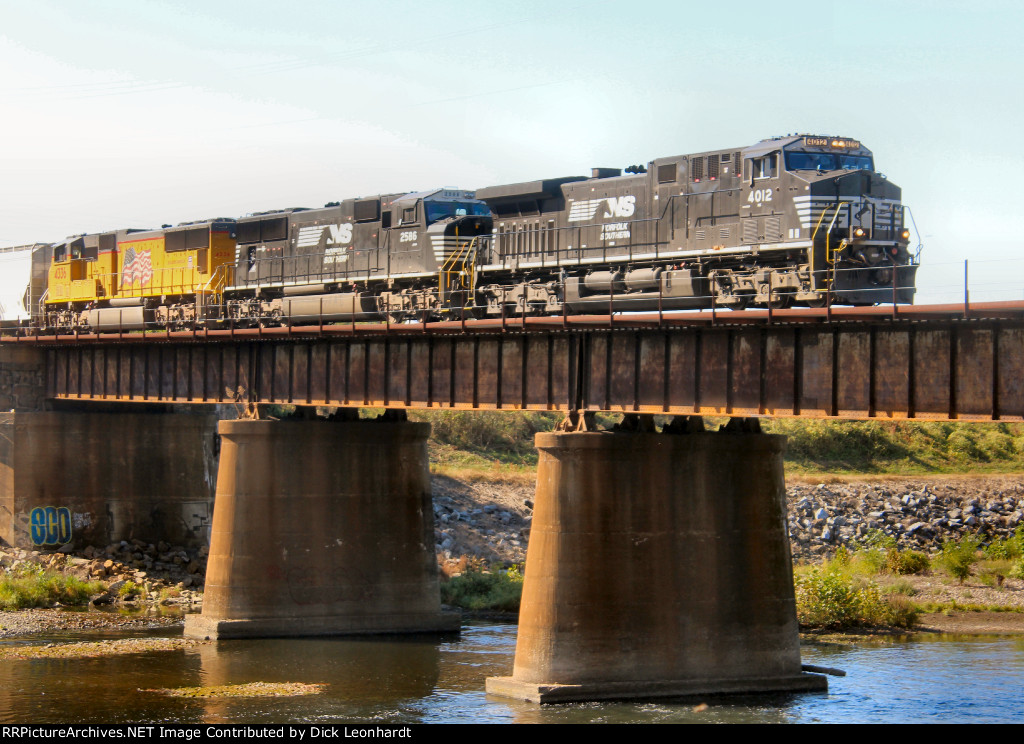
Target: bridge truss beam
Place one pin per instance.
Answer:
(938, 369)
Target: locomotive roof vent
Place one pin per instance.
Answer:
(605, 172)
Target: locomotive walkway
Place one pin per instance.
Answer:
(952, 362)
(658, 563)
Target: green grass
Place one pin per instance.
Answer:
(496, 442)
(486, 438)
(34, 587)
(882, 447)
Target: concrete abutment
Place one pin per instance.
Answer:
(72, 478)
(658, 566)
(321, 528)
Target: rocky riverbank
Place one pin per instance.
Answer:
(919, 513)
(489, 522)
(134, 573)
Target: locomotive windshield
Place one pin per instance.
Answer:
(796, 160)
(443, 210)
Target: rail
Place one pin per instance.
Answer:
(616, 308)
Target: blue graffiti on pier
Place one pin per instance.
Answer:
(51, 525)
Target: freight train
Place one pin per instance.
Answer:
(797, 220)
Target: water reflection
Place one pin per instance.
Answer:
(427, 679)
(362, 674)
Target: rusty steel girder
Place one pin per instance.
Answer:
(918, 365)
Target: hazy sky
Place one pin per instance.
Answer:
(133, 114)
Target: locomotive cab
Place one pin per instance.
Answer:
(848, 218)
(451, 224)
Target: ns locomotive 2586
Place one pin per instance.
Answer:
(792, 220)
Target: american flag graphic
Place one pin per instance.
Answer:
(137, 267)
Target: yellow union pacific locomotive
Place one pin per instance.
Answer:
(135, 279)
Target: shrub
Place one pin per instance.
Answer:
(829, 599)
(872, 552)
(484, 590)
(958, 556)
(900, 612)
(877, 539)
(1017, 570)
(1011, 547)
(993, 573)
(905, 561)
(870, 561)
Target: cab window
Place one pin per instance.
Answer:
(764, 167)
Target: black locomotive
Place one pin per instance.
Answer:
(792, 220)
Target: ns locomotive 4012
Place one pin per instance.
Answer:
(792, 220)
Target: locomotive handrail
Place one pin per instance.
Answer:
(466, 255)
(828, 233)
(920, 243)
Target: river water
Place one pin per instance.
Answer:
(430, 679)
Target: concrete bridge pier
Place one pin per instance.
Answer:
(321, 528)
(658, 566)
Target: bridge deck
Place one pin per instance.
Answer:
(924, 362)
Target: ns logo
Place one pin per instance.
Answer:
(623, 206)
(614, 207)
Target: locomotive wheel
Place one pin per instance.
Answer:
(738, 301)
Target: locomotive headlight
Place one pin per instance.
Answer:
(859, 232)
(905, 234)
